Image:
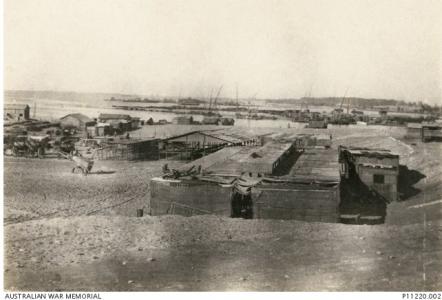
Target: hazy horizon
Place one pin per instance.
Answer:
(271, 49)
(161, 97)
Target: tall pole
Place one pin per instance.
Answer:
(237, 102)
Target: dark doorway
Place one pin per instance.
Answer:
(242, 205)
(360, 204)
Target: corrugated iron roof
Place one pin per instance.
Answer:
(224, 135)
(318, 164)
(236, 160)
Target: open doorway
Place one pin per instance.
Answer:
(242, 204)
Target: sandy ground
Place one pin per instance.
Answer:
(209, 253)
(68, 232)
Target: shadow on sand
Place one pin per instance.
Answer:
(408, 178)
(358, 199)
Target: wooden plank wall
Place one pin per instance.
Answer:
(305, 205)
(199, 197)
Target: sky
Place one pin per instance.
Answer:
(271, 49)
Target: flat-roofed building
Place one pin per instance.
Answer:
(414, 131)
(270, 181)
(431, 132)
(378, 169)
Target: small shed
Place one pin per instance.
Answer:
(414, 131)
(211, 120)
(317, 124)
(135, 123)
(383, 113)
(431, 132)
(378, 169)
(227, 121)
(183, 120)
(16, 112)
(99, 129)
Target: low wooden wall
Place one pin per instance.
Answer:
(189, 197)
(289, 203)
(388, 189)
(195, 197)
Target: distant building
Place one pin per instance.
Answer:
(317, 124)
(16, 112)
(431, 132)
(99, 130)
(211, 120)
(149, 122)
(357, 112)
(425, 132)
(78, 121)
(383, 112)
(183, 120)
(119, 122)
(227, 121)
(190, 101)
(414, 131)
(135, 123)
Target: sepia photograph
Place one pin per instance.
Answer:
(222, 146)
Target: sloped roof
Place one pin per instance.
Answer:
(212, 134)
(78, 116)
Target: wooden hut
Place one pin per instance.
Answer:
(249, 182)
(378, 169)
(16, 112)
